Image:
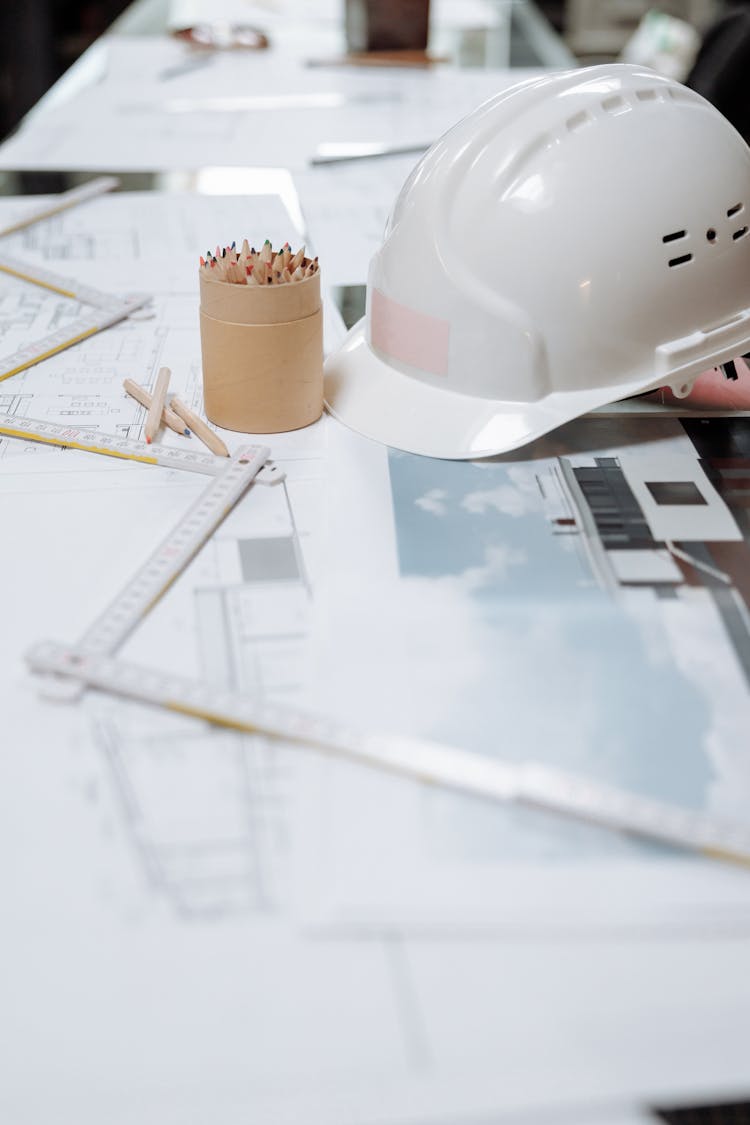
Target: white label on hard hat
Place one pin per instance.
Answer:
(408, 336)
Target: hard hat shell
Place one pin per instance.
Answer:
(579, 238)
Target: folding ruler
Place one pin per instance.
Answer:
(103, 309)
(62, 202)
(91, 663)
(106, 309)
(231, 479)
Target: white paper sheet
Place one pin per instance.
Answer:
(149, 868)
(235, 112)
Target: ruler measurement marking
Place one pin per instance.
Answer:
(50, 351)
(70, 444)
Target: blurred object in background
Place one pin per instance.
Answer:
(598, 30)
(222, 36)
(666, 44)
(39, 40)
(722, 66)
(386, 25)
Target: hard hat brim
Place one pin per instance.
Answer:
(376, 400)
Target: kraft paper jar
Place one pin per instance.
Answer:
(262, 349)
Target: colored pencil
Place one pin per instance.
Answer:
(168, 417)
(158, 402)
(203, 432)
(266, 266)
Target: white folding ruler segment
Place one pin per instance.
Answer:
(531, 785)
(106, 309)
(62, 202)
(172, 556)
(231, 478)
(91, 441)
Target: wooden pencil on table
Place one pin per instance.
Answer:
(158, 402)
(203, 432)
(168, 417)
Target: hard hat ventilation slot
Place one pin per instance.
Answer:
(579, 121)
(679, 261)
(674, 235)
(646, 95)
(733, 210)
(739, 233)
(615, 104)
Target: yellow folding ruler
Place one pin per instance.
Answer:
(100, 310)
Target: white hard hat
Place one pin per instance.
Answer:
(579, 238)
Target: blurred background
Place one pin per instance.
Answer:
(40, 39)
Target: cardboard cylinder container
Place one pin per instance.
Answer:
(262, 351)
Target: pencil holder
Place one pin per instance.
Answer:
(262, 351)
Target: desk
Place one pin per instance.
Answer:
(205, 927)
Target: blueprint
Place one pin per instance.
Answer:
(116, 243)
(225, 927)
(464, 602)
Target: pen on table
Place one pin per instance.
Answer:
(334, 152)
(168, 417)
(158, 402)
(188, 65)
(203, 432)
